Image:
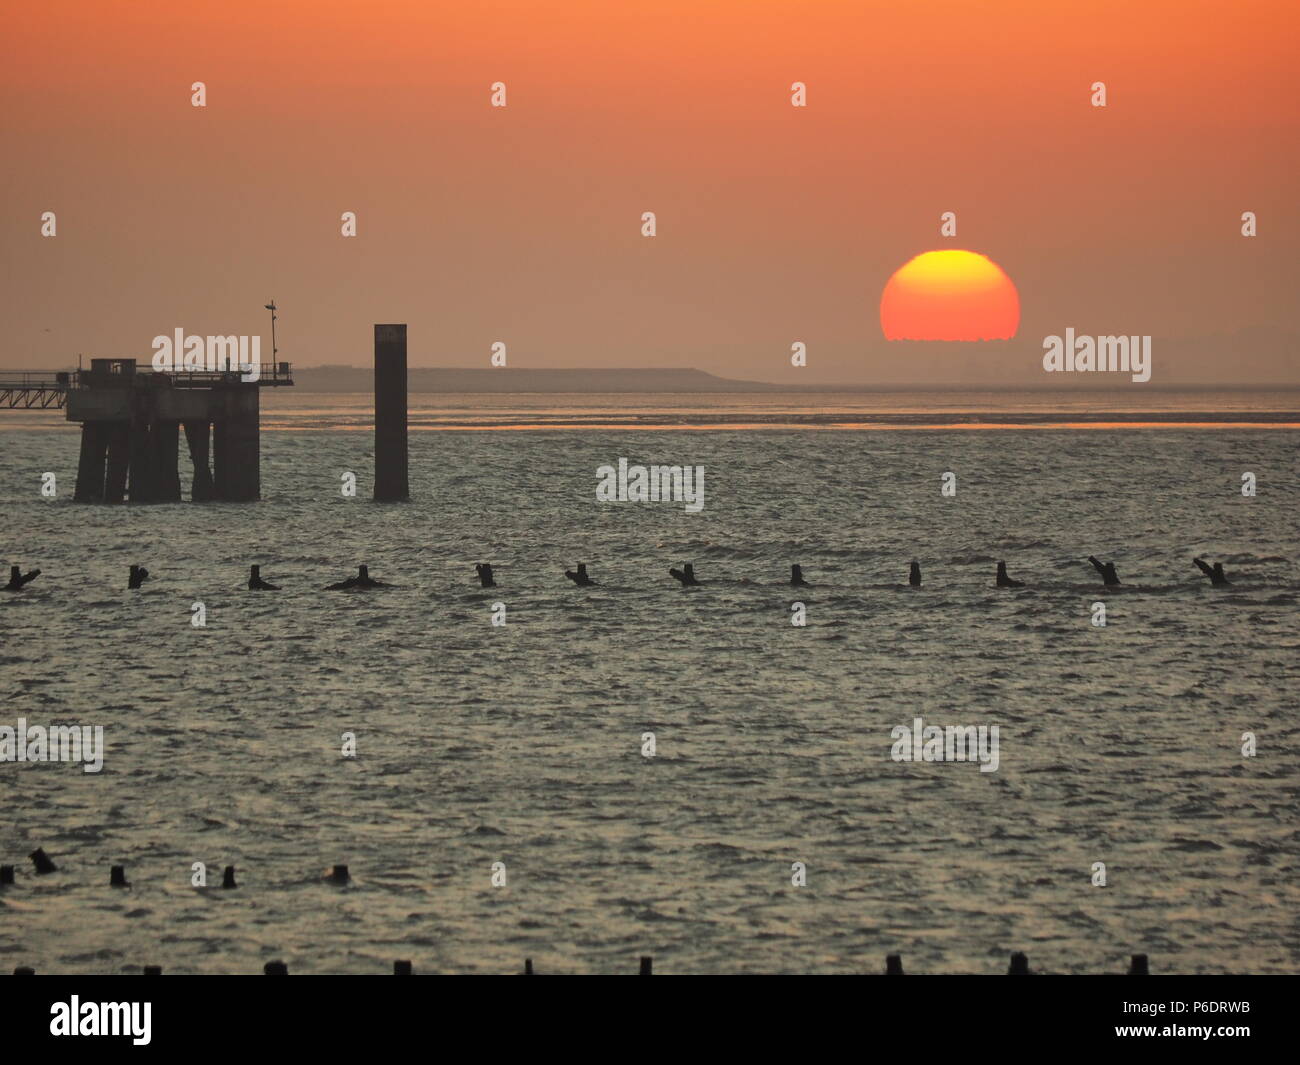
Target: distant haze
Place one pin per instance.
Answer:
(1194, 370)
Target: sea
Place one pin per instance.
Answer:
(582, 776)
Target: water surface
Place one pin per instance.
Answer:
(521, 744)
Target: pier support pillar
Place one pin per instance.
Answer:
(142, 483)
(197, 435)
(390, 414)
(236, 448)
(90, 466)
(220, 460)
(119, 461)
(246, 449)
(165, 439)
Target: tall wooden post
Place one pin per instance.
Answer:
(390, 415)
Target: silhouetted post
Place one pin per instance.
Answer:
(275, 968)
(390, 414)
(197, 436)
(236, 448)
(339, 874)
(1019, 965)
(401, 968)
(228, 877)
(1138, 966)
(42, 861)
(645, 965)
(165, 438)
(246, 442)
(117, 876)
(894, 965)
(6, 874)
(119, 461)
(90, 464)
(151, 970)
(528, 966)
(18, 580)
(141, 485)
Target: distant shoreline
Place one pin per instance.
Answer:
(358, 420)
(667, 381)
(308, 407)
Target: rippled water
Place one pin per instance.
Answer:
(521, 744)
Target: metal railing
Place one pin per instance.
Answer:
(270, 375)
(42, 390)
(29, 390)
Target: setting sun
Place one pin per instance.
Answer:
(950, 295)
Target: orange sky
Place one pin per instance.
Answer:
(522, 224)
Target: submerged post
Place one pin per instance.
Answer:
(42, 861)
(390, 414)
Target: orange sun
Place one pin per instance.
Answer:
(950, 295)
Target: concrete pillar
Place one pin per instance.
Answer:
(246, 443)
(220, 455)
(142, 484)
(90, 466)
(165, 438)
(119, 461)
(390, 414)
(196, 435)
(236, 447)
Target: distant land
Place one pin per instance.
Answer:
(667, 381)
(1251, 359)
(519, 379)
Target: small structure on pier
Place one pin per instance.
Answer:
(131, 424)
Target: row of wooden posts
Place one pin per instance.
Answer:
(339, 875)
(893, 967)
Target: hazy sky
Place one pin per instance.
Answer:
(523, 224)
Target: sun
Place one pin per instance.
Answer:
(950, 295)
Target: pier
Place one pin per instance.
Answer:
(131, 423)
